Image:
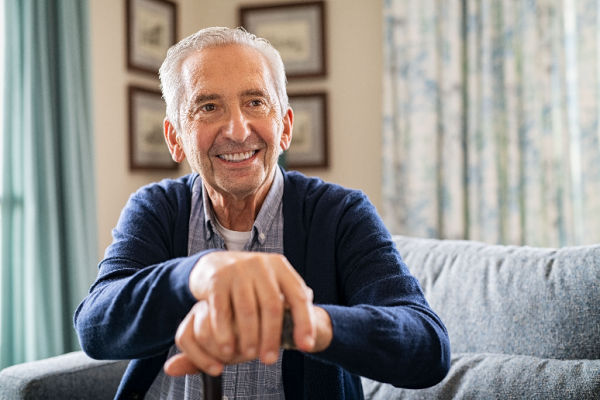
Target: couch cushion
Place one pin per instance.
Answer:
(511, 299)
(69, 376)
(500, 376)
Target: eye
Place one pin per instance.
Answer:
(208, 107)
(256, 102)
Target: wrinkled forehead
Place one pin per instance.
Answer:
(225, 70)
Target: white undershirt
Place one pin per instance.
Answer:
(234, 240)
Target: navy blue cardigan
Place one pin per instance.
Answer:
(383, 327)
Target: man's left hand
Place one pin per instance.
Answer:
(196, 328)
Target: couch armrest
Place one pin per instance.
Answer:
(69, 376)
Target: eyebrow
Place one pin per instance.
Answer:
(255, 92)
(201, 98)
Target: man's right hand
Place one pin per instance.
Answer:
(243, 296)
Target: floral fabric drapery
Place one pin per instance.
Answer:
(490, 125)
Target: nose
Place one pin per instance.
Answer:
(238, 126)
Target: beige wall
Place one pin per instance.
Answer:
(353, 84)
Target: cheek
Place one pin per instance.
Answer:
(275, 131)
(200, 139)
(201, 143)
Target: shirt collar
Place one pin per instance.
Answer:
(265, 218)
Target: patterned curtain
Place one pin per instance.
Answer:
(490, 125)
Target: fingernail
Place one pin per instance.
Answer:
(309, 341)
(270, 357)
(250, 352)
(214, 370)
(227, 350)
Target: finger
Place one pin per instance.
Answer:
(221, 316)
(191, 348)
(271, 307)
(246, 317)
(201, 359)
(180, 365)
(299, 298)
(204, 334)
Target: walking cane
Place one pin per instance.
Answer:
(213, 385)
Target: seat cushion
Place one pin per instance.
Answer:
(500, 376)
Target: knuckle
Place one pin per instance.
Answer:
(309, 294)
(180, 338)
(217, 277)
(246, 311)
(302, 296)
(261, 264)
(274, 309)
(224, 314)
(282, 260)
(221, 308)
(201, 335)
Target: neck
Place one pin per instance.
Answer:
(238, 213)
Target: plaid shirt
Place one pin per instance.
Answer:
(253, 379)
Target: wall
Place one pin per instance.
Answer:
(353, 84)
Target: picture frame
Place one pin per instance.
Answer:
(309, 147)
(151, 27)
(296, 30)
(147, 147)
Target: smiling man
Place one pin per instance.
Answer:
(202, 268)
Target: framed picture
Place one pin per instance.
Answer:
(309, 146)
(296, 30)
(147, 146)
(151, 30)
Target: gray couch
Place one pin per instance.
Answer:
(524, 323)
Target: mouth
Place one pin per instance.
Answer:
(237, 157)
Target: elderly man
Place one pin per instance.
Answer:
(202, 268)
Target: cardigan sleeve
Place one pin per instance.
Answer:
(141, 293)
(383, 327)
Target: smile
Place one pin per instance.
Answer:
(237, 157)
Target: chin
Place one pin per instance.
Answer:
(241, 189)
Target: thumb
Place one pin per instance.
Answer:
(180, 365)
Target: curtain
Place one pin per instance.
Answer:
(48, 225)
(490, 120)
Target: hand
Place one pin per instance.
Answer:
(245, 293)
(195, 341)
(194, 338)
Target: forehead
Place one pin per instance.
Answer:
(231, 68)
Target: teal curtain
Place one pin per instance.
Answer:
(491, 120)
(48, 250)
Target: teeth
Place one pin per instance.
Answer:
(237, 157)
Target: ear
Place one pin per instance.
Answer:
(288, 124)
(173, 142)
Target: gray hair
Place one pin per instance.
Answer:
(170, 70)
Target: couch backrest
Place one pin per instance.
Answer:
(511, 299)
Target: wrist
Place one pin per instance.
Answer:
(324, 330)
(198, 275)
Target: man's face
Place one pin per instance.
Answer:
(231, 122)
